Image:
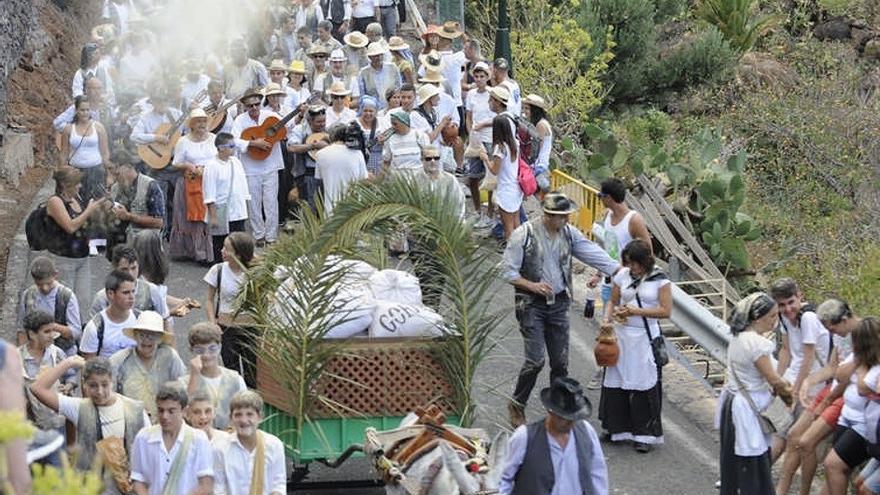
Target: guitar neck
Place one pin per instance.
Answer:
(281, 123)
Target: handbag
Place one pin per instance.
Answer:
(658, 345)
(526, 178)
(767, 426)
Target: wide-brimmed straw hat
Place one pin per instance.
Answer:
(432, 76)
(317, 49)
(250, 93)
(376, 48)
(500, 93)
(297, 66)
(536, 101)
(356, 39)
(565, 398)
(277, 64)
(426, 92)
(396, 43)
(556, 203)
(196, 113)
(150, 321)
(431, 60)
(273, 89)
(450, 30)
(338, 89)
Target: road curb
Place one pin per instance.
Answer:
(17, 262)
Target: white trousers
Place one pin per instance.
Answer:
(263, 206)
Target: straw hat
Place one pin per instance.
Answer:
(450, 30)
(278, 65)
(338, 55)
(500, 93)
(396, 43)
(426, 92)
(356, 39)
(250, 93)
(150, 321)
(338, 89)
(431, 60)
(196, 113)
(317, 49)
(556, 203)
(297, 66)
(376, 49)
(432, 29)
(536, 101)
(273, 89)
(432, 76)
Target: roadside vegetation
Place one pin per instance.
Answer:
(759, 121)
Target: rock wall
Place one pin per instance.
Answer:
(41, 40)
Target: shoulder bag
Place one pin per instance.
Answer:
(767, 426)
(658, 345)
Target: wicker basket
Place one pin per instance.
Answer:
(378, 377)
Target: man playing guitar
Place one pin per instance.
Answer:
(304, 141)
(262, 175)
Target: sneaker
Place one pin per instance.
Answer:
(595, 382)
(43, 444)
(516, 414)
(643, 448)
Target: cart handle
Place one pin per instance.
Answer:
(343, 457)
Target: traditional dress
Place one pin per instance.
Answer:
(189, 238)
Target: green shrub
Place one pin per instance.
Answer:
(738, 20)
(704, 58)
(669, 9)
(635, 36)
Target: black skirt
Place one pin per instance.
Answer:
(632, 411)
(749, 475)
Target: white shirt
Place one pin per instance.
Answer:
(810, 331)
(451, 70)
(343, 117)
(216, 180)
(337, 166)
(151, 462)
(478, 105)
(46, 302)
(273, 162)
(234, 466)
(364, 8)
(508, 195)
(230, 283)
(112, 417)
(114, 339)
(144, 131)
(404, 151)
(564, 461)
(742, 353)
(189, 89)
(514, 105)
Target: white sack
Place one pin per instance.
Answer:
(352, 310)
(393, 319)
(396, 286)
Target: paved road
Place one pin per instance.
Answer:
(685, 465)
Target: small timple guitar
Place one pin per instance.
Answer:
(272, 130)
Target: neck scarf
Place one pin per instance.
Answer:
(749, 309)
(258, 475)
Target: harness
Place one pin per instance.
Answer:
(397, 450)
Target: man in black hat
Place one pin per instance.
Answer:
(537, 262)
(559, 453)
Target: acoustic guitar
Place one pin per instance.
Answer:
(272, 130)
(156, 155)
(316, 137)
(217, 117)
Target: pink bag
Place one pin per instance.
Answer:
(526, 178)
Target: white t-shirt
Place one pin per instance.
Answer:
(744, 349)
(337, 166)
(114, 339)
(343, 117)
(478, 104)
(508, 195)
(810, 331)
(112, 416)
(230, 283)
(404, 151)
(514, 105)
(216, 187)
(452, 63)
(853, 412)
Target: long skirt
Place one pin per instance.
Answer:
(745, 475)
(188, 239)
(633, 414)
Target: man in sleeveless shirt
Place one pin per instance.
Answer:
(559, 453)
(620, 226)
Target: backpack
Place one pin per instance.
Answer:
(525, 176)
(36, 228)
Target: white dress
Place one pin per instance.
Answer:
(635, 369)
(508, 196)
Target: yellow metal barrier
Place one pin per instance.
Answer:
(589, 206)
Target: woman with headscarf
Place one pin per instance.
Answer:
(751, 382)
(374, 132)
